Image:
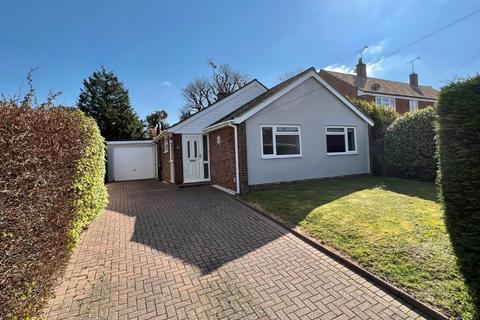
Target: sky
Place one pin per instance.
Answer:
(157, 47)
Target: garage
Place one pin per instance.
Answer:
(131, 160)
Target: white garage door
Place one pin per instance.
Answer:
(133, 163)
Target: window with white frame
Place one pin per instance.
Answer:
(341, 140)
(385, 101)
(165, 145)
(170, 147)
(413, 105)
(281, 141)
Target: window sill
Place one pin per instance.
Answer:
(283, 157)
(341, 153)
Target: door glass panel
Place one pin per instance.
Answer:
(205, 148)
(205, 171)
(188, 149)
(195, 149)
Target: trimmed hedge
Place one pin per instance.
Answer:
(410, 145)
(381, 116)
(458, 137)
(51, 186)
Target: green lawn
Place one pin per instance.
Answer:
(393, 227)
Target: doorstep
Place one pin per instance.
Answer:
(194, 184)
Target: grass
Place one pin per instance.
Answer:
(393, 227)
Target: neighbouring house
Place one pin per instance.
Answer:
(403, 97)
(302, 128)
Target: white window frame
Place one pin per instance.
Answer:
(345, 134)
(413, 103)
(170, 146)
(382, 98)
(274, 140)
(165, 145)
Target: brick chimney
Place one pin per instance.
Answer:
(414, 79)
(361, 69)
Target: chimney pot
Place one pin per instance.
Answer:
(414, 79)
(361, 69)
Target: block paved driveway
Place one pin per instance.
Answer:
(163, 253)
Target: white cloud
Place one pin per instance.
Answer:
(375, 70)
(372, 70)
(166, 83)
(373, 51)
(339, 68)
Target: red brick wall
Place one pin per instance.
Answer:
(178, 158)
(222, 157)
(165, 159)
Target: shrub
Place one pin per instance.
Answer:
(458, 180)
(51, 187)
(381, 116)
(410, 145)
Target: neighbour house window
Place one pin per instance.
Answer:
(341, 140)
(413, 105)
(280, 141)
(385, 101)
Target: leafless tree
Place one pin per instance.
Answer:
(287, 75)
(203, 92)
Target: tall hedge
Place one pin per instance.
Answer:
(458, 180)
(51, 187)
(410, 145)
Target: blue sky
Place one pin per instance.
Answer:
(156, 47)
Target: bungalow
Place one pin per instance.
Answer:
(300, 129)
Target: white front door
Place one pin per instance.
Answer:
(192, 158)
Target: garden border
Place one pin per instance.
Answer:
(384, 285)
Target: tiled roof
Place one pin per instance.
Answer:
(387, 87)
(264, 96)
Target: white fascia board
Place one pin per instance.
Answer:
(129, 142)
(216, 105)
(377, 94)
(311, 74)
(218, 126)
(159, 136)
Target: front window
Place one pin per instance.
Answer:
(280, 141)
(165, 145)
(170, 147)
(413, 105)
(341, 140)
(385, 101)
